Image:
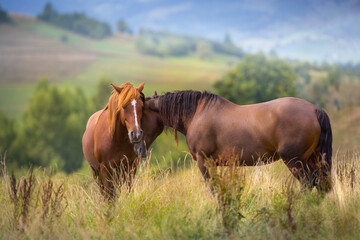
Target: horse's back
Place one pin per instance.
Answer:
(256, 130)
(286, 123)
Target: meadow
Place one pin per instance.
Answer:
(264, 203)
(169, 199)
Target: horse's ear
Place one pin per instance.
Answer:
(118, 89)
(152, 104)
(155, 95)
(141, 87)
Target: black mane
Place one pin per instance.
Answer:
(177, 108)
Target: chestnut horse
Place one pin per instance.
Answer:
(110, 135)
(289, 128)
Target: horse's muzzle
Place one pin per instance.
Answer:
(135, 136)
(140, 149)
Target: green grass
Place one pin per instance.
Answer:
(176, 205)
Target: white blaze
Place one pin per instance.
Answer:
(133, 102)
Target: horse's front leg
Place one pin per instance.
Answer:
(208, 170)
(107, 182)
(202, 166)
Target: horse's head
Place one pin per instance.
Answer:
(152, 103)
(151, 122)
(130, 102)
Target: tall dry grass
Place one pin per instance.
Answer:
(266, 203)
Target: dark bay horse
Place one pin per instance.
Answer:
(289, 128)
(110, 135)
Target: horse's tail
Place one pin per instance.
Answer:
(325, 141)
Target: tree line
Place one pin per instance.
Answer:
(258, 78)
(4, 16)
(76, 22)
(163, 43)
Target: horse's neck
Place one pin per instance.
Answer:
(120, 130)
(183, 125)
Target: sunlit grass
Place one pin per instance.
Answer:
(167, 204)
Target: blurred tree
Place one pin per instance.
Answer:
(103, 91)
(52, 128)
(203, 49)
(164, 44)
(334, 77)
(227, 48)
(302, 70)
(257, 79)
(123, 27)
(318, 93)
(4, 17)
(7, 132)
(48, 13)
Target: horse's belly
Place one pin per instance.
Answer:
(252, 157)
(248, 150)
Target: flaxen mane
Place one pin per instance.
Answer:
(117, 101)
(180, 106)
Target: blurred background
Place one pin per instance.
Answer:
(57, 59)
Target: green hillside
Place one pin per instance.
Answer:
(34, 49)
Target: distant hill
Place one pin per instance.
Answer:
(31, 49)
(75, 22)
(28, 55)
(163, 43)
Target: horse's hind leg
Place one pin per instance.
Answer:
(300, 171)
(203, 169)
(296, 156)
(307, 172)
(319, 172)
(208, 171)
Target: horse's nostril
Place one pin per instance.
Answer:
(139, 134)
(132, 134)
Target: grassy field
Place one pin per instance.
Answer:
(175, 205)
(32, 50)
